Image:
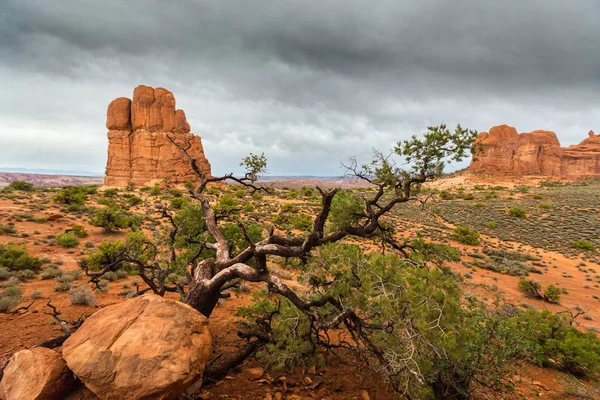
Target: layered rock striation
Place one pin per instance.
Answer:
(139, 148)
(504, 151)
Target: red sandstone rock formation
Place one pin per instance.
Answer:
(536, 153)
(139, 149)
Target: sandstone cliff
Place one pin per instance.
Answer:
(536, 153)
(139, 149)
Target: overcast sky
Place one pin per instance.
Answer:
(309, 83)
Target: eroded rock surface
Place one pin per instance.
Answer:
(536, 153)
(143, 348)
(139, 148)
(36, 374)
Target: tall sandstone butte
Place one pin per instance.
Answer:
(139, 149)
(504, 151)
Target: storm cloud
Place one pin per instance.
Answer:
(307, 83)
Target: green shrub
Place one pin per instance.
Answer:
(177, 203)
(111, 218)
(346, 210)
(240, 193)
(155, 190)
(73, 195)
(530, 287)
(111, 192)
(479, 204)
(7, 230)
(15, 258)
(552, 293)
(583, 245)
(517, 212)
(67, 239)
(491, 224)
(545, 205)
(22, 186)
(79, 231)
(302, 222)
(466, 235)
(36, 294)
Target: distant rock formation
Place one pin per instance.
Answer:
(536, 153)
(139, 149)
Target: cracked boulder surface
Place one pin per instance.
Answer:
(35, 374)
(145, 348)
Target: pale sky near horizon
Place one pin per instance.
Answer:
(307, 83)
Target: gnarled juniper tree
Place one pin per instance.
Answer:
(408, 321)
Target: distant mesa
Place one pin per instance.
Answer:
(535, 153)
(139, 149)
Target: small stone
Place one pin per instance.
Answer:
(253, 373)
(364, 395)
(278, 396)
(307, 380)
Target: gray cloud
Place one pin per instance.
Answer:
(307, 84)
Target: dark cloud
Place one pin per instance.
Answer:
(308, 84)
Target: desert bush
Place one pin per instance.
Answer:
(177, 203)
(36, 294)
(227, 203)
(50, 273)
(5, 274)
(240, 193)
(9, 298)
(111, 218)
(302, 222)
(22, 186)
(530, 287)
(67, 239)
(7, 230)
(155, 190)
(551, 340)
(79, 231)
(583, 245)
(307, 191)
(134, 201)
(81, 296)
(73, 195)
(346, 210)
(490, 224)
(62, 286)
(545, 205)
(175, 192)
(466, 235)
(15, 258)
(517, 212)
(112, 192)
(552, 293)
(25, 274)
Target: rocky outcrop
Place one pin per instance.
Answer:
(504, 151)
(144, 348)
(139, 148)
(36, 374)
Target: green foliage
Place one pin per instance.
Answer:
(302, 222)
(155, 190)
(73, 195)
(7, 230)
(21, 185)
(254, 166)
(235, 235)
(79, 231)
(240, 193)
(15, 258)
(583, 245)
(466, 235)
(111, 218)
(346, 210)
(550, 340)
(307, 191)
(67, 239)
(530, 287)
(111, 192)
(448, 344)
(227, 203)
(490, 224)
(438, 146)
(552, 293)
(177, 203)
(517, 212)
(545, 205)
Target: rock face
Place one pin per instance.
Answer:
(139, 149)
(36, 374)
(536, 153)
(144, 348)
